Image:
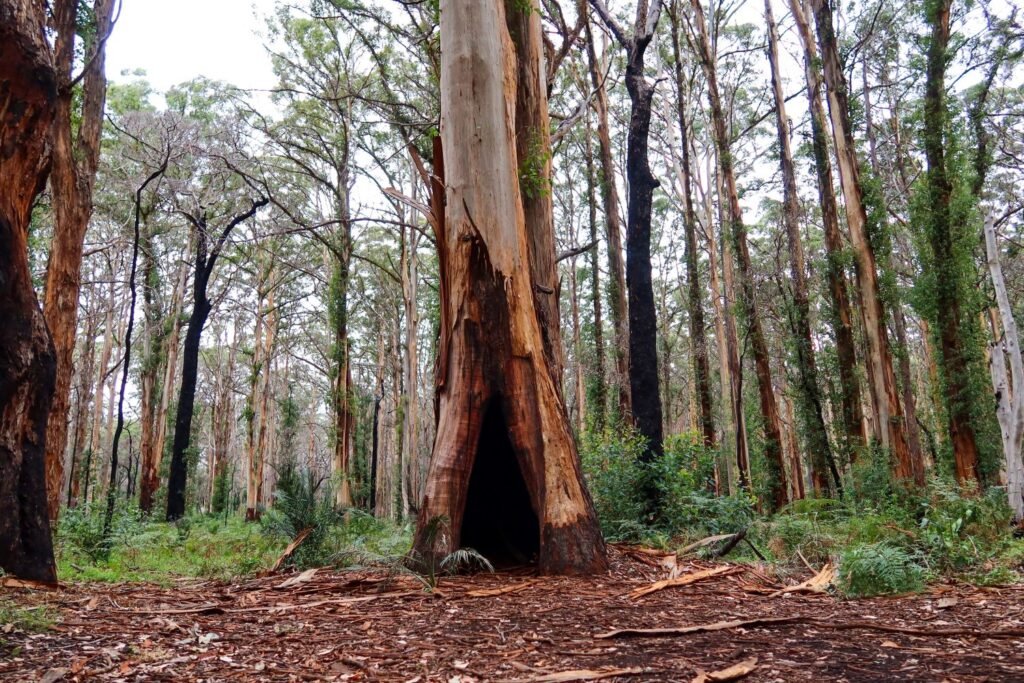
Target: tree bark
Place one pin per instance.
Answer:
(75, 140)
(942, 239)
(499, 407)
(153, 447)
(695, 305)
(811, 409)
(885, 401)
(841, 312)
(27, 364)
(1009, 395)
(762, 362)
(613, 228)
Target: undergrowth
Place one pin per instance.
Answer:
(885, 538)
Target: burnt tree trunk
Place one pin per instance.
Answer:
(505, 476)
(643, 324)
(28, 92)
(205, 259)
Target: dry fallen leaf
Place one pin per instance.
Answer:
(575, 675)
(946, 603)
(732, 673)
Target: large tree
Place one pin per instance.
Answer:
(890, 425)
(81, 31)
(643, 325)
(505, 475)
(28, 88)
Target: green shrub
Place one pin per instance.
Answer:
(683, 476)
(879, 569)
(615, 477)
(302, 502)
(960, 529)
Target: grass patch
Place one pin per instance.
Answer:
(31, 619)
(158, 552)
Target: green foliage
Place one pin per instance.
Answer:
(616, 477)
(302, 502)
(32, 619)
(533, 169)
(140, 550)
(960, 529)
(879, 569)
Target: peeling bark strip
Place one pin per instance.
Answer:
(28, 92)
(498, 405)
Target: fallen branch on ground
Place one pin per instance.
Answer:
(683, 580)
(815, 621)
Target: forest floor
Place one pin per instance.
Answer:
(515, 626)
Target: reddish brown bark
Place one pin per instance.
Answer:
(28, 92)
(75, 153)
(842, 315)
(505, 476)
(949, 313)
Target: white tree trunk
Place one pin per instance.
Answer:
(1009, 399)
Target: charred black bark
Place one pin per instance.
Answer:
(643, 324)
(201, 308)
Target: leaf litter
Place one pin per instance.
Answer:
(724, 622)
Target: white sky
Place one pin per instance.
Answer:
(177, 40)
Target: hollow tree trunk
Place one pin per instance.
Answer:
(811, 409)
(613, 228)
(888, 411)
(762, 361)
(76, 153)
(841, 312)
(498, 400)
(695, 305)
(27, 363)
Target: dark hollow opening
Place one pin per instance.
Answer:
(499, 522)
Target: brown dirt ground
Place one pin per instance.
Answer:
(367, 626)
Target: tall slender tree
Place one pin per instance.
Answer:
(645, 396)
(76, 131)
(733, 214)
(886, 407)
(811, 407)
